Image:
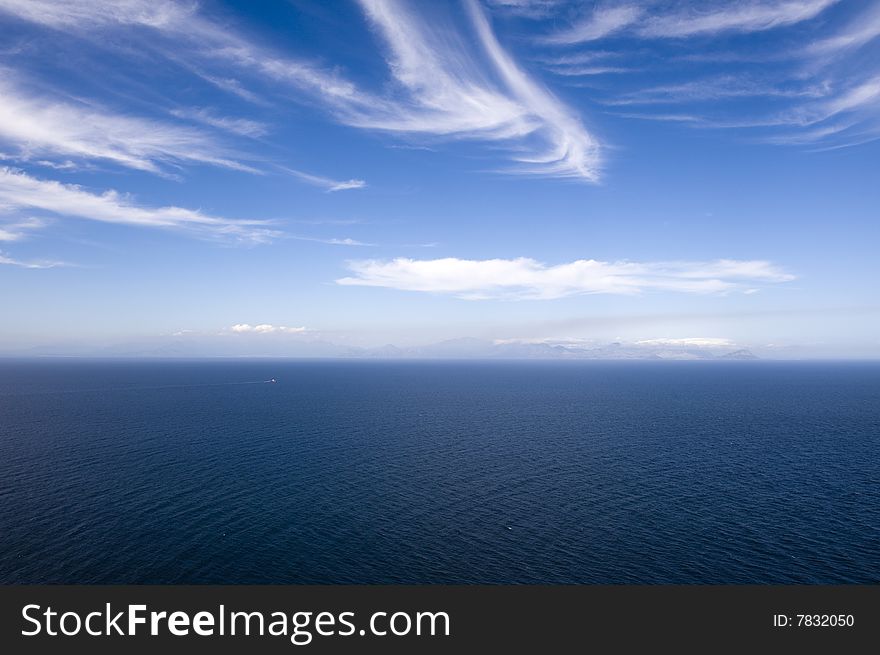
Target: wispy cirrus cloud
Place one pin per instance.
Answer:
(329, 185)
(36, 127)
(42, 127)
(240, 126)
(19, 191)
(572, 150)
(444, 87)
(580, 71)
(865, 95)
(232, 86)
(604, 21)
(449, 93)
(6, 260)
(331, 241)
(719, 87)
(187, 38)
(857, 33)
(590, 62)
(446, 84)
(19, 228)
(650, 21)
(816, 85)
(814, 120)
(524, 278)
(526, 8)
(823, 113)
(101, 13)
(754, 16)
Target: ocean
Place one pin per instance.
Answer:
(439, 472)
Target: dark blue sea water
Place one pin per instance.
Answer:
(454, 472)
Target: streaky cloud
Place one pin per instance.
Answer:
(240, 126)
(23, 192)
(721, 87)
(524, 278)
(6, 260)
(733, 17)
(328, 184)
(700, 19)
(41, 127)
(331, 241)
(573, 152)
(582, 71)
(525, 8)
(448, 92)
(18, 229)
(604, 21)
(860, 31)
(99, 13)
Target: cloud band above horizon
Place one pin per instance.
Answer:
(527, 279)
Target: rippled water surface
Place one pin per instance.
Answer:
(381, 472)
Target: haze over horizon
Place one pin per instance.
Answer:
(223, 178)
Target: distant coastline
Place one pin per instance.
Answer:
(451, 349)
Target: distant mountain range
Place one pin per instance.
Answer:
(464, 348)
(478, 348)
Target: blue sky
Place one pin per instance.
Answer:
(293, 173)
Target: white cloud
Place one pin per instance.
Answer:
(331, 241)
(41, 127)
(578, 71)
(526, 8)
(579, 58)
(572, 152)
(603, 22)
(346, 242)
(98, 13)
(19, 228)
(813, 104)
(442, 79)
(866, 93)
(860, 100)
(701, 19)
(21, 191)
(42, 263)
(752, 16)
(525, 278)
(233, 86)
(240, 126)
(809, 75)
(328, 184)
(845, 113)
(443, 86)
(265, 328)
(720, 87)
(698, 342)
(863, 29)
